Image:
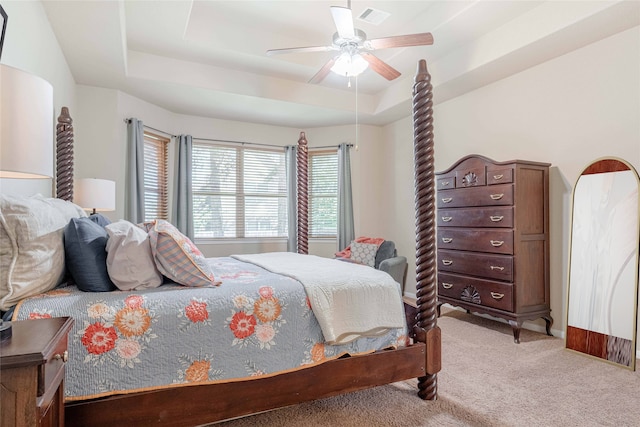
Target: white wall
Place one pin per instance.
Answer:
(101, 153)
(568, 112)
(31, 46)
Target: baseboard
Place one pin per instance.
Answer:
(527, 325)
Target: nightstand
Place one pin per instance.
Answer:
(32, 373)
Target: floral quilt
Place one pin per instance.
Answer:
(255, 323)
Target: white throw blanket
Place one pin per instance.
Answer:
(349, 300)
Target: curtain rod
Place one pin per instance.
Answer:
(233, 142)
(152, 128)
(265, 145)
(238, 142)
(329, 146)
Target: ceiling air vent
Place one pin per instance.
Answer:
(373, 16)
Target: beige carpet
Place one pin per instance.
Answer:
(486, 380)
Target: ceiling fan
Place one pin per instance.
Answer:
(354, 47)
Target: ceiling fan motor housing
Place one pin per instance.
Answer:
(357, 41)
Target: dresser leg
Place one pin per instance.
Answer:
(549, 321)
(515, 326)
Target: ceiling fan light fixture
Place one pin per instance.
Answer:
(349, 65)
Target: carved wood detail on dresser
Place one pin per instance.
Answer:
(493, 239)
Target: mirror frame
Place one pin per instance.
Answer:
(593, 343)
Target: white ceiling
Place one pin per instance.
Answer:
(207, 58)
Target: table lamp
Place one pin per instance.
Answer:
(26, 125)
(97, 195)
(26, 132)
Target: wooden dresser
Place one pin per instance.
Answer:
(493, 239)
(32, 373)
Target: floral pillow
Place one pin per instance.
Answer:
(364, 253)
(177, 257)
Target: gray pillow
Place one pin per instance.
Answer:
(386, 250)
(86, 256)
(100, 219)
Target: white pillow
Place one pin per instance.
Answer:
(364, 253)
(130, 262)
(31, 245)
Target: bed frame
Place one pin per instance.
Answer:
(207, 403)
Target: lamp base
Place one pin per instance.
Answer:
(5, 330)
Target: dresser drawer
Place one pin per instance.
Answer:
(473, 177)
(476, 291)
(495, 195)
(499, 176)
(54, 367)
(488, 266)
(446, 183)
(497, 241)
(476, 217)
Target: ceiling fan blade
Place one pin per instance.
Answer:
(300, 50)
(420, 39)
(320, 75)
(381, 67)
(343, 19)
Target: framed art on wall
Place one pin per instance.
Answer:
(3, 23)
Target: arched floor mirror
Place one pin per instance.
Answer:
(602, 301)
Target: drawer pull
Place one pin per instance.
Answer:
(447, 240)
(447, 218)
(496, 295)
(496, 218)
(445, 183)
(496, 196)
(447, 285)
(447, 199)
(497, 243)
(447, 262)
(64, 356)
(496, 267)
(498, 176)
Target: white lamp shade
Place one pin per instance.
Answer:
(96, 194)
(26, 125)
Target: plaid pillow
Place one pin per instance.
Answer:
(177, 257)
(364, 253)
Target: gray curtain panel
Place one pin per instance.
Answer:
(183, 205)
(290, 155)
(346, 232)
(134, 206)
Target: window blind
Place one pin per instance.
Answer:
(238, 192)
(323, 194)
(156, 204)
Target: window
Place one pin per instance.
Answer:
(323, 194)
(238, 192)
(156, 150)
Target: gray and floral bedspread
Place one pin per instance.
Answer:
(256, 323)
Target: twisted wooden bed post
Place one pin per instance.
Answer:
(303, 194)
(426, 286)
(64, 156)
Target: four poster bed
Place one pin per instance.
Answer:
(323, 368)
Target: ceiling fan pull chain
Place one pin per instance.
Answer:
(357, 113)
